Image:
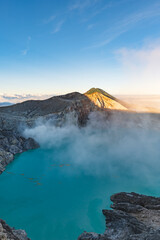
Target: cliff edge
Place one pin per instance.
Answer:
(8, 233)
(134, 217)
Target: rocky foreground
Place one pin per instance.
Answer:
(8, 233)
(134, 217)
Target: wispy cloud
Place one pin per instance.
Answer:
(82, 4)
(49, 20)
(78, 5)
(90, 26)
(16, 98)
(98, 7)
(140, 67)
(58, 27)
(126, 24)
(25, 51)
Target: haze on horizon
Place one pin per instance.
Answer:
(54, 47)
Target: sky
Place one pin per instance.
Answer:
(50, 47)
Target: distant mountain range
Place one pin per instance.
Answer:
(94, 97)
(3, 104)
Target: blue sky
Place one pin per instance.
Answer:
(59, 46)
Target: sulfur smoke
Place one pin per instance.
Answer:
(107, 144)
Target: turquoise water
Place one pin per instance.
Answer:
(59, 190)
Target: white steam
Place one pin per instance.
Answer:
(107, 145)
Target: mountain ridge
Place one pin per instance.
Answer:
(105, 101)
(14, 118)
(62, 101)
(99, 90)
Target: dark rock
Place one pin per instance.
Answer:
(12, 143)
(92, 236)
(30, 144)
(135, 217)
(135, 199)
(8, 233)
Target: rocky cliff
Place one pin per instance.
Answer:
(134, 217)
(8, 233)
(56, 107)
(11, 143)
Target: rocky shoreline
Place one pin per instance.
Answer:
(134, 217)
(8, 233)
(11, 143)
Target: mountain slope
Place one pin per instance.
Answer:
(53, 108)
(59, 106)
(104, 100)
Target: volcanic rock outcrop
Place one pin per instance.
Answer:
(8, 233)
(11, 143)
(134, 217)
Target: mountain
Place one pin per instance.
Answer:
(104, 100)
(16, 117)
(56, 104)
(56, 107)
(59, 106)
(13, 119)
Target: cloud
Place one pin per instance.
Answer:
(25, 51)
(126, 24)
(9, 97)
(58, 27)
(16, 98)
(140, 68)
(90, 26)
(81, 4)
(104, 7)
(49, 20)
(114, 145)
